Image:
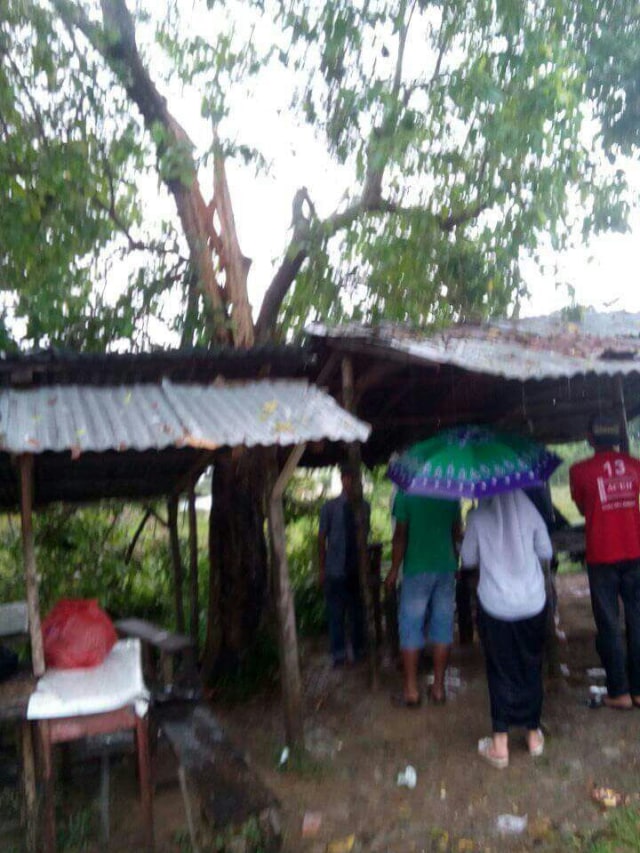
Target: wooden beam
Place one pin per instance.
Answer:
(330, 365)
(204, 460)
(194, 605)
(401, 390)
(29, 558)
(373, 377)
(287, 471)
(364, 571)
(176, 562)
(287, 634)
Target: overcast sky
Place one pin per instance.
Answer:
(604, 275)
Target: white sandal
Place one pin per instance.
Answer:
(537, 750)
(485, 745)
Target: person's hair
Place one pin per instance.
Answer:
(604, 429)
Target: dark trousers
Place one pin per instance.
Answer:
(609, 584)
(513, 656)
(344, 602)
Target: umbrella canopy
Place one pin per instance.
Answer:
(472, 462)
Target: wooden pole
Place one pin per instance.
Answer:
(29, 786)
(29, 558)
(194, 606)
(622, 407)
(37, 649)
(287, 635)
(355, 460)
(176, 560)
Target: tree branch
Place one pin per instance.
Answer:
(116, 42)
(297, 252)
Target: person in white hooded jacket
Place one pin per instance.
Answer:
(506, 537)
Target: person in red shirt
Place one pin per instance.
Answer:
(606, 490)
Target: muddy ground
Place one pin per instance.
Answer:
(359, 743)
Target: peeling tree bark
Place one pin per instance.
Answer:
(235, 264)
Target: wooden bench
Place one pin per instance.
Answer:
(219, 788)
(168, 645)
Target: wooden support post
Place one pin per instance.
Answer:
(194, 605)
(355, 461)
(29, 787)
(176, 561)
(49, 812)
(144, 777)
(29, 557)
(37, 648)
(287, 635)
(622, 408)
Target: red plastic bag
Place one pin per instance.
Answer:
(77, 633)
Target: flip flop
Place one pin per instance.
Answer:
(538, 750)
(485, 745)
(399, 700)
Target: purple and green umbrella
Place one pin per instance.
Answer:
(472, 462)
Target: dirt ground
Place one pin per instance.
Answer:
(362, 743)
(359, 743)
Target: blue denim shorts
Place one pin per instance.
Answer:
(426, 600)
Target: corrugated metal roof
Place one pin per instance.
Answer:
(83, 419)
(536, 348)
(64, 367)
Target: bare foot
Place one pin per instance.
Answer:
(619, 703)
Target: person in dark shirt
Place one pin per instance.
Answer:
(339, 577)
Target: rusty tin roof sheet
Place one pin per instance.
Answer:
(533, 348)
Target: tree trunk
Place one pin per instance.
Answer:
(237, 561)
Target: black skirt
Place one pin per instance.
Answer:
(513, 654)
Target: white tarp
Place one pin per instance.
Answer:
(114, 683)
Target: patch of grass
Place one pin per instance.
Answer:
(182, 841)
(74, 836)
(622, 834)
(301, 763)
(250, 836)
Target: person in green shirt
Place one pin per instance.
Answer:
(423, 543)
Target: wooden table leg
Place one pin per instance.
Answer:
(144, 773)
(29, 787)
(49, 815)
